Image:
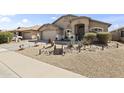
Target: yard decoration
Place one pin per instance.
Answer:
(117, 45)
(70, 44)
(36, 44)
(39, 52)
(21, 47)
(63, 52)
(103, 47)
(49, 41)
(79, 46)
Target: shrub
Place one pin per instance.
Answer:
(90, 37)
(104, 37)
(5, 37)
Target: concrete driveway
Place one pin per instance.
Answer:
(13, 64)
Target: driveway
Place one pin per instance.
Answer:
(13, 64)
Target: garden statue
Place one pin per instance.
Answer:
(63, 53)
(39, 52)
(79, 46)
(117, 45)
(103, 47)
(21, 47)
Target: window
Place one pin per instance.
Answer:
(96, 29)
(122, 33)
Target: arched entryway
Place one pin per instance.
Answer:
(79, 31)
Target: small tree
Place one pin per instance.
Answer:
(90, 37)
(104, 37)
(5, 37)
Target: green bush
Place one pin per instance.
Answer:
(103, 37)
(5, 37)
(90, 37)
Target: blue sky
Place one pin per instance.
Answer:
(16, 20)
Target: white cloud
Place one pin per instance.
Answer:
(53, 17)
(7, 14)
(19, 23)
(115, 26)
(5, 19)
(25, 20)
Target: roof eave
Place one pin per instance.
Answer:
(102, 22)
(62, 17)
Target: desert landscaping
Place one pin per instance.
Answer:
(79, 45)
(98, 63)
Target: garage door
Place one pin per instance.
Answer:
(27, 35)
(49, 35)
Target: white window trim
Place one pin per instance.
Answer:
(96, 27)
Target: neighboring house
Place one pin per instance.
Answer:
(27, 32)
(118, 34)
(71, 27)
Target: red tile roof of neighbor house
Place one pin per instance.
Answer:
(35, 28)
(77, 17)
(32, 28)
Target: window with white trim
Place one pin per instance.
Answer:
(96, 29)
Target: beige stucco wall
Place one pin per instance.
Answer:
(115, 35)
(84, 21)
(122, 39)
(34, 34)
(50, 28)
(64, 22)
(98, 24)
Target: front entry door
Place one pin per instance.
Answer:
(79, 31)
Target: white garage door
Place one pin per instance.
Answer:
(27, 35)
(46, 35)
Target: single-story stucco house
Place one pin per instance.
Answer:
(71, 27)
(118, 34)
(27, 32)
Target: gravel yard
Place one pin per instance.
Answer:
(107, 63)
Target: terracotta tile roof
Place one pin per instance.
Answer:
(32, 28)
(35, 28)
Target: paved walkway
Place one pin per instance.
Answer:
(17, 65)
(6, 72)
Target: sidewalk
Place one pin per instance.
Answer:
(27, 67)
(5, 72)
